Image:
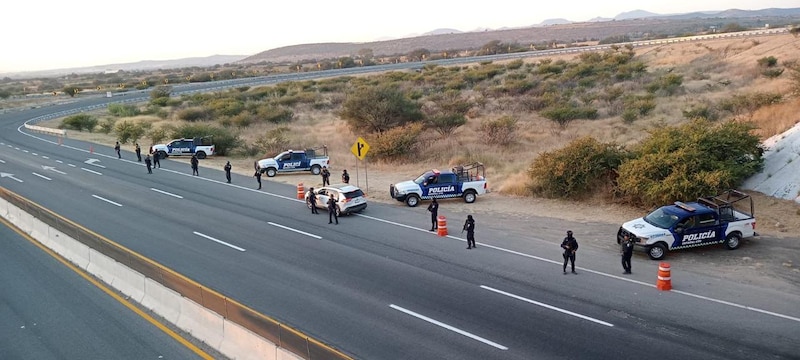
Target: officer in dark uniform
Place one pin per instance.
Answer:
(469, 226)
(332, 211)
(434, 209)
(627, 253)
(227, 169)
(138, 152)
(257, 175)
(326, 176)
(116, 148)
(345, 177)
(156, 160)
(195, 164)
(149, 164)
(570, 246)
(312, 200)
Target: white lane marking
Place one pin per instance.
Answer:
(787, 317)
(551, 307)
(10, 176)
(73, 165)
(295, 230)
(34, 154)
(167, 193)
(94, 163)
(106, 200)
(91, 171)
(42, 176)
(59, 161)
(740, 306)
(448, 327)
(218, 241)
(45, 157)
(2, 162)
(25, 151)
(50, 168)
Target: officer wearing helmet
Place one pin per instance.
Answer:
(570, 246)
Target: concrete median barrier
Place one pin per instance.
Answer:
(25, 222)
(242, 344)
(129, 282)
(70, 249)
(40, 231)
(101, 266)
(202, 323)
(162, 301)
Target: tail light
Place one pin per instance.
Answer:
(754, 225)
(485, 186)
(347, 200)
(212, 149)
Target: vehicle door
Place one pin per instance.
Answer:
(443, 185)
(299, 161)
(188, 147)
(322, 198)
(175, 147)
(696, 230)
(284, 160)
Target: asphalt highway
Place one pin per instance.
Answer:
(48, 311)
(379, 286)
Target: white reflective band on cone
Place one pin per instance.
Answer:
(664, 278)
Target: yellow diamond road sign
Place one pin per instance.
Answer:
(360, 148)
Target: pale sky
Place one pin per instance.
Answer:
(50, 34)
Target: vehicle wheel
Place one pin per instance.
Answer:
(470, 196)
(733, 241)
(271, 172)
(316, 170)
(201, 155)
(412, 200)
(657, 251)
(161, 154)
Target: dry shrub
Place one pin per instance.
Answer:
(776, 119)
(516, 184)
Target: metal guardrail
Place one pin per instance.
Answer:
(280, 334)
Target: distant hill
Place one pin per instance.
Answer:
(144, 65)
(443, 31)
(643, 24)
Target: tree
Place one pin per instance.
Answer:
(419, 54)
(161, 91)
(447, 112)
(71, 90)
(378, 109)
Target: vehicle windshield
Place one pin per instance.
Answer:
(353, 194)
(424, 177)
(661, 218)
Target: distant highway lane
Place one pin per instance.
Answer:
(379, 286)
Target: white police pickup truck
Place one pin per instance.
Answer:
(200, 146)
(709, 221)
(291, 161)
(467, 181)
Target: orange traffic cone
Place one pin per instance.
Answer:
(301, 191)
(441, 224)
(664, 281)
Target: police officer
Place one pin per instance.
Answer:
(156, 160)
(195, 164)
(345, 177)
(326, 175)
(469, 226)
(434, 210)
(257, 175)
(227, 169)
(312, 201)
(116, 148)
(138, 152)
(332, 211)
(627, 253)
(570, 246)
(149, 164)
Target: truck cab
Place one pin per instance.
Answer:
(462, 181)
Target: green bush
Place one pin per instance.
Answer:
(193, 114)
(396, 144)
(225, 106)
(641, 104)
(772, 73)
(700, 111)
(274, 114)
(158, 135)
(379, 108)
(107, 126)
(273, 142)
(123, 110)
(79, 122)
(128, 130)
(768, 61)
(563, 114)
(695, 159)
(577, 169)
(501, 131)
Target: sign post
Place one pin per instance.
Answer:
(360, 149)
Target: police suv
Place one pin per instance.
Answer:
(709, 221)
(466, 181)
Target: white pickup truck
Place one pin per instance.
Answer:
(466, 181)
(290, 161)
(710, 220)
(200, 146)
